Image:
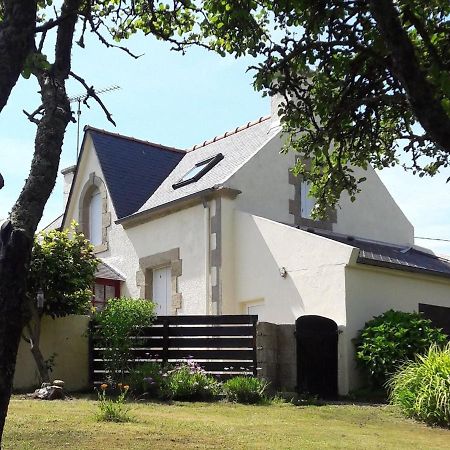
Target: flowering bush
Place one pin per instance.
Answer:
(113, 410)
(147, 378)
(188, 381)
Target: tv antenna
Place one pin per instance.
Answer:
(79, 99)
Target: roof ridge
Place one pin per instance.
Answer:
(133, 139)
(229, 133)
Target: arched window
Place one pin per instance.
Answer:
(95, 218)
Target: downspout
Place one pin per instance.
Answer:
(207, 247)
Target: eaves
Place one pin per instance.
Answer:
(176, 205)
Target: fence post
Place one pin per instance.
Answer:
(165, 350)
(91, 377)
(255, 359)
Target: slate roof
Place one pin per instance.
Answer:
(107, 272)
(237, 147)
(394, 257)
(133, 169)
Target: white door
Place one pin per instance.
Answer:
(162, 290)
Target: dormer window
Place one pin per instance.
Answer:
(195, 173)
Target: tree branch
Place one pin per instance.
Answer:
(422, 95)
(91, 93)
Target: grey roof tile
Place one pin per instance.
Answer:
(236, 146)
(133, 169)
(107, 272)
(394, 257)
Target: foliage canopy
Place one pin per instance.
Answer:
(63, 265)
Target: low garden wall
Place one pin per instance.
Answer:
(67, 337)
(277, 355)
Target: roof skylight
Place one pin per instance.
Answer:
(195, 173)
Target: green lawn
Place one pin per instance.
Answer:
(39, 425)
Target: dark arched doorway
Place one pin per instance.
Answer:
(317, 355)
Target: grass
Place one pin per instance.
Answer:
(40, 425)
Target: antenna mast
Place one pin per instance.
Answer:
(79, 99)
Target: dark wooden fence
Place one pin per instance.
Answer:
(224, 346)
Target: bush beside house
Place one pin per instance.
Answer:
(392, 338)
(421, 388)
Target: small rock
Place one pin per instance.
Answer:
(55, 393)
(59, 383)
(44, 385)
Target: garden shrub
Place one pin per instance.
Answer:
(244, 389)
(147, 378)
(119, 326)
(388, 340)
(188, 381)
(421, 388)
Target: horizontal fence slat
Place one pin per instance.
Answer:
(223, 345)
(207, 320)
(208, 366)
(214, 330)
(188, 342)
(210, 342)
(211, 354)
(191, 354)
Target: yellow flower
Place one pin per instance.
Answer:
(103, 386)
(126, 387)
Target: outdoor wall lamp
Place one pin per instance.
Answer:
(40, 298)
(283, 272)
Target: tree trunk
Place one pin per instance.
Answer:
(15, 253)
(16, 42)
(34, 338)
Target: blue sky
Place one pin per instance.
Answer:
(180, 101)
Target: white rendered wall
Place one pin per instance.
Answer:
(120, 253)
(371, 291)
(315, 281)
(185, 230)
(264, 182)
(374, 214)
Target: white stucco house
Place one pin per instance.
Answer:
(225, 228)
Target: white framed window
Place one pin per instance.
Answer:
(307, 202)
(95, 218)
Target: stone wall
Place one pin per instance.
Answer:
(277, 355)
